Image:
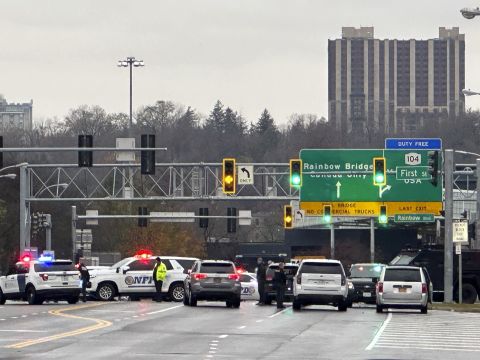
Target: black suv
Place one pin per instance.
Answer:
(364, 278)
(270, 291)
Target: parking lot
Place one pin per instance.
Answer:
(170, 330)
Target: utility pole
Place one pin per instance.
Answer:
(448, 241)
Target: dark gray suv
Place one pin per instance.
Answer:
(214, 281)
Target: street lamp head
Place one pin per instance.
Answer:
(122, 63)
(468, 92)
(470, 13)
(138, 63)
(9, 176)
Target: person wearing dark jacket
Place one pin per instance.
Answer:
(280, 282)
(85, 278)
(261, 278)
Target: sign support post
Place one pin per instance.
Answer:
(448, 241)
(372, 240)
(332, 241)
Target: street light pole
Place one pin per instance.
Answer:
(130, 62)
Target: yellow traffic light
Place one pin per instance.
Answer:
(287, 217)
(229, 176)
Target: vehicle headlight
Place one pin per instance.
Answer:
(350, 286)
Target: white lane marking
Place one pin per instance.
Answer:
(209, 356)
(212, 352)
(259, 321)
(241, 327)
(163, 310)
(112, 311)
(223, 336)
(427, 348)
(135, 316)
(24, 316)
(118, 319)
(22, 331)
(379, 332)
(214, 341)
(126, 318)
(280, 312)
(14, 317)
(35, 314)
(2, 319)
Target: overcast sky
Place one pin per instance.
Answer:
(250, 54)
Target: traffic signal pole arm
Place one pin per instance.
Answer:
(59, 149)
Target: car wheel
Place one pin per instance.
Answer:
(296, 305)
(469, 294)
(176, 292)
(228, 303)
(32, 297)
(185, 300)
(73, 300)
(106, 292)
(192, 300)
(424, 309)
(3, 299)
(379, 309)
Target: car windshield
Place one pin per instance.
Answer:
(365, 271)
(403, 275)
(54, 266)
(120, 263)
(321, 268)
(290, 270)
(217, 268)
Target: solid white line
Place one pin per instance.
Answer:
(451, 343)
(28, 331)
(222, 336)
(2, 319)
(214, 341)
(379, 332)
(111, 311)
(241, 327)
(259, 321)
(163, 310)
(425, 348)
(280, 312)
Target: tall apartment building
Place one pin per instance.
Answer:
(394, 85)
(15, 115)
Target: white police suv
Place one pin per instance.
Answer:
(132, 277)
(36, 281)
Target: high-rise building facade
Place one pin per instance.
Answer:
(394, 85)
(17, 116)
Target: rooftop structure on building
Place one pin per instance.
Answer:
(394, 85)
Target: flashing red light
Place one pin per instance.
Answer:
(143, 254)
(240, 271)
(200, 276)
(26, 258)
(77, 265)
(235, 277)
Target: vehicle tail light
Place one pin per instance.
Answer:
(380, 287)
(200, 276)
(299, 279)
(235, 277)
(424, 288)
(344, 281)
(269, 278)
(44, 277)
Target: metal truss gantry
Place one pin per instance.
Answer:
(172, 182)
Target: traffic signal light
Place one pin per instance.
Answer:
(231, 222)
(229, 177)
(383, 217)
(1, 153)
(327, 213)
(287, 217)
(34, 223)
(433, 166)
(203, 222)
(142, 222)
(295, 172)
(85, 158)
(379, 171)
(147, 157)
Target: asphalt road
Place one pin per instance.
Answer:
(138, 330)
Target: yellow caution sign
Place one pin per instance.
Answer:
(313, 208)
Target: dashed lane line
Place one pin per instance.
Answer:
(163, 310)
(99, 324)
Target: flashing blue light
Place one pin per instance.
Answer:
(377, 268)
(43, 258)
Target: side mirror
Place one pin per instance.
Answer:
(118, 270)
(125, 269)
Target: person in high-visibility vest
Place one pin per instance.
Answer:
(159, 275)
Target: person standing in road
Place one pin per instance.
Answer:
(261, 278)
(159, 275)
(280, 281)
(85, 278)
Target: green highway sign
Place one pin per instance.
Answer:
(407, 218)
(412, 173)
(340, 175)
